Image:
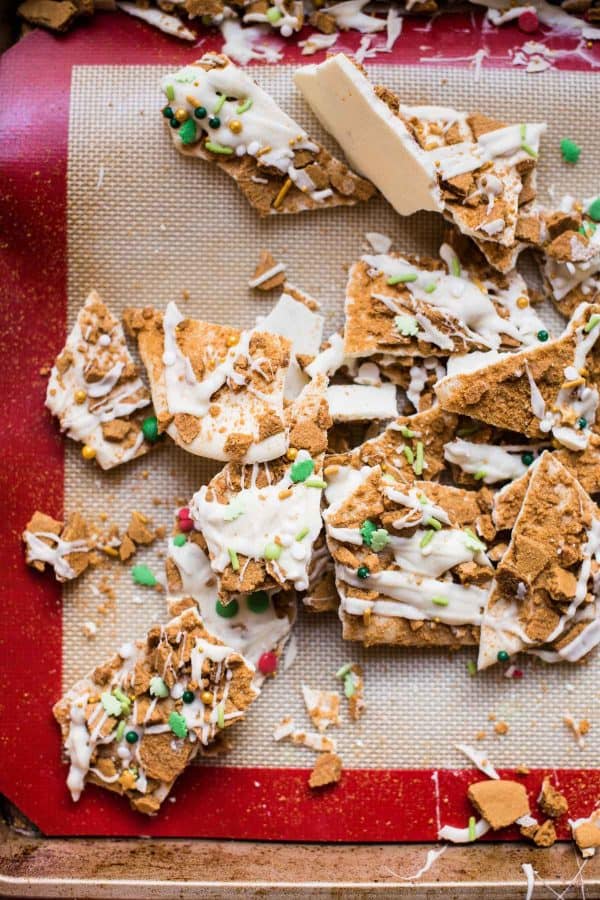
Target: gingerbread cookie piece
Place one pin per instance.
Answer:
(64, 546)
(260, 522)
(410, 567)
(543, 597)
(95, 389)
(217, 391)
(284, 16)
(327, 770)
(216, 112)
(586, 832)
(135, 722)
(499, 801)
(257, 625)
(322, 595)
(551, 389)
(571, 254)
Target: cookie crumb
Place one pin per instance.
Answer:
(327, 770)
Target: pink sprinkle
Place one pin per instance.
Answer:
(528, 21)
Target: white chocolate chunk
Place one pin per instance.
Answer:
(360, 402)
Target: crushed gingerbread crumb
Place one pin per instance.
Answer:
(327, 770)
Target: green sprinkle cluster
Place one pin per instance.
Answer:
(178, 725)
(143, 575)
(301, 470)
(570, 150)
(158, 688)
(407, 325)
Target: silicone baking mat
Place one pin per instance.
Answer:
(100, 199)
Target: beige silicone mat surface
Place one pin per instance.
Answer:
(147, 226)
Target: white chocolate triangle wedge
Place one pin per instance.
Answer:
(95, 389)
(217, 391)
(216, 112)
(544, 598)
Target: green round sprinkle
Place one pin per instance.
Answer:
(179, 540)
(188, 696)
(157, 687)
(582, 422)
(258, 602)
(174, 123)
(363, 572)
(503, 656)
(214, 122)
(178, 725)
(543, 335)
(594, 210)
(227, 611)
(168, 112)
(150, 429)
(273, 15)
(187, 132)
(301, 470)
(527, 458)
(143, 575)
(132, 737)
(200, 112)
(570, 150)
(272, 551)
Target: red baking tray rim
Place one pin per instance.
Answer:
(208, 801)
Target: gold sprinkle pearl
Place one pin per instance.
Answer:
(88, 452)
(522, 302)
(181, 115)
(232, 340)
(80, 397)
(235, 126)
(206, 698)
(292, 453)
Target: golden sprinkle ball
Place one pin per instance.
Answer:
(232, 340)
(80, 397)
(522, 302)
(181, 115)
(88, 452)
(235, 126)
(206, 698)
(292, 453)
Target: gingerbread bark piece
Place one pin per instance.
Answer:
(410, 567)
(586, 832)
(543, 596)
(216, 112)
(253, 624)
(551, 801)
(64, 546)
(407, 306)
(327, 770)
(500, 802)
(95, 389)
(551, 389)
(571, 256)
(322, 595)
(287, 18)
(268, 274)
(217, 391)
(261, 522)
(135, 722)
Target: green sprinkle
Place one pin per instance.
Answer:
(185, 77)
(220, 716)
(431, 287)
(170, 92)
(132, 737)
(187, 132)
(367, 530)
(406, 325)
(315, 483)
(244, 106)
(120, 730)
(473, 542)
(591, 323)
(402, 279)
(273, 15)
(529, 150)
(455, 267)
(150, 427)
(427, 537)
(179, 540)
(272, 551)
(258, 602)
(178, 725)
(343, 670)
(363, 572)
(523, 131)
(468, 429)
(433, 523)
(233, 510)
(582, 422)
(379, 540)
(570, 150)
(527, 458)
(110, 704)
(388, 479)
(123, 700)
(479, 476)
(543, 335)
(503, 656)
(143, 575)
(440, 601)
(423, 500)
(406, 432)
(410, 456)
(472, 834)
(218, 148)
(472, 667)
(301, 470)
(233, 559)
(219, 104)
(157, 687)
(349, 685)
(302, 533)
(593, 210)
(419, 459)
(227, 611)
(588, 229)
